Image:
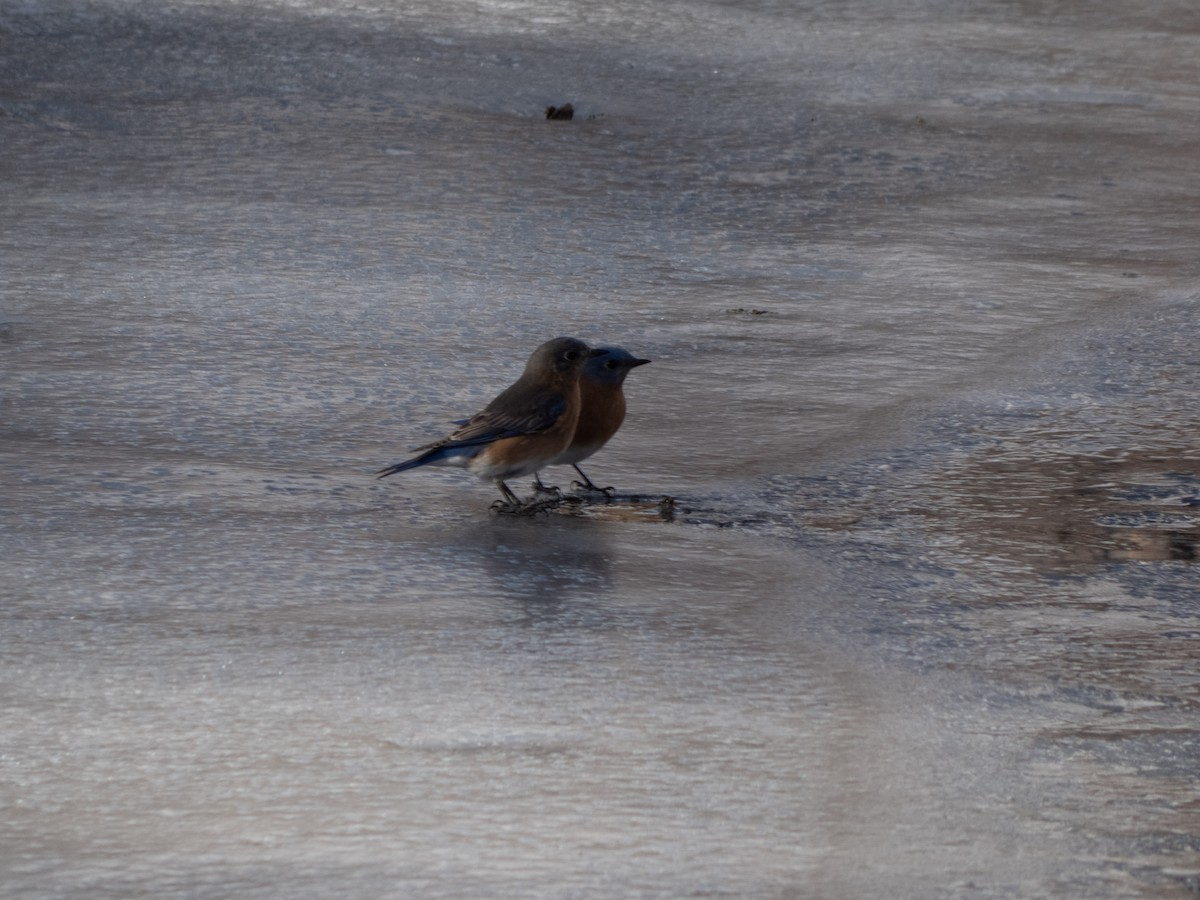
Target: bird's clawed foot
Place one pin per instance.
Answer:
(512, 505)
(527, 508)
(541, 488)
(608, 492)
(587, 485)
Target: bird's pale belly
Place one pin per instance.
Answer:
(517, 456)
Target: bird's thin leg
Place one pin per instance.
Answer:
(544, 488)
(508, 494)
(587, 483)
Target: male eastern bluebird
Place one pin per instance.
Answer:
(602, 406)
(526, 427)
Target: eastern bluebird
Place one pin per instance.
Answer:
(526, 427)
(602, 406)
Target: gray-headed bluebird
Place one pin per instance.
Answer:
(602, 406)
(526, 427)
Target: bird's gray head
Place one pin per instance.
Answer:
(562, 355)
(610, 365)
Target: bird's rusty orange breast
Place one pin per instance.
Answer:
(602, 412)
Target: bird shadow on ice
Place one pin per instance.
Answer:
(546, 569)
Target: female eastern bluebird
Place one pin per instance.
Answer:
(602, 406)
(526, 427)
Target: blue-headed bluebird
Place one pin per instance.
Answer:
(525, 428)
(602, 406)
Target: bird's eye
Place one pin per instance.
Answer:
(571, 355)
(611, 364)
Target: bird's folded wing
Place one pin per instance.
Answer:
(504, 420)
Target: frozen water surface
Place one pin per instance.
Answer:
(920, 286)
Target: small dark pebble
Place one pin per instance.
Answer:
(566, 111)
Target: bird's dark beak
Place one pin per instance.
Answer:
(637, 362)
